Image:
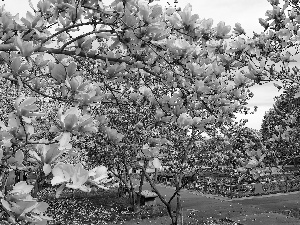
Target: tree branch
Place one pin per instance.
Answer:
(181, 187)
(12, 47)
(64, 30)
(154, 188)
(81, 36)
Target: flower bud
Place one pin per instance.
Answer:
(263, 23)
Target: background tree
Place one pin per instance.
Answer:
(280, 128)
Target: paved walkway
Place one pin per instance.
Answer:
(246, 211)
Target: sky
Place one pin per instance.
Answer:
(245, 12)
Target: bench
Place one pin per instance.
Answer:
(147, 197)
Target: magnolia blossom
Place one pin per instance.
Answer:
(185, 120)
(151, 154)
(76, 177)
(98, 174)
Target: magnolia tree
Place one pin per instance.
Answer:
(193, 73)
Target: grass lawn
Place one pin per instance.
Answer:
(166, 221)
(105, 207)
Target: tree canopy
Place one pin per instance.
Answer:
(140, 78)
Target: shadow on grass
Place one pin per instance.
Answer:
(293, 212)
(100, 207)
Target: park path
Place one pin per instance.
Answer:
(247, 211)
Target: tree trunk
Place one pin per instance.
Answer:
(22, 175)
(179, 218)
(38, 183)
(155, 176)
(131, 189)
(4, 177)
(132, 193)
(10, 181)
(138, 202)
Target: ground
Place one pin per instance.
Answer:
(105, 207)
